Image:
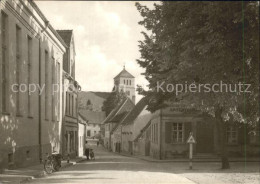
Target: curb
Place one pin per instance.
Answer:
(43, 173)
(187, 160)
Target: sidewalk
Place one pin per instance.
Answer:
(205, 159)
(22, 175)
(231, 159)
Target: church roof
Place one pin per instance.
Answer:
(125, 74)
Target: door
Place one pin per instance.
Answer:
(204, 137)
(147, 148)
(130, 147)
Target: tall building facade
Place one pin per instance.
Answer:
(70, 126)
(125, 82)
(31, 55)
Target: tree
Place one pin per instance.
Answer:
(89, 105)
(113, 100)
(203, 43)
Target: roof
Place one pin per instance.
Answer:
(114, 112)
(83, 117)
(66, 35)
(136, 110)
(119, 118)
(96, 98)
(104, 95)
(93, 117)
(37, 9)
(125, 74)
(142, 131)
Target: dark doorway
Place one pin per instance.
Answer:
(205, 137)
(147, 148)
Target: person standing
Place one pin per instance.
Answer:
(87, 150)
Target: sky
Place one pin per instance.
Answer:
(106, 38)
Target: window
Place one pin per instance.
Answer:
(58, 96)
(29, 73)
(75, 108)
(67, 103)
(53, 93)
(232, 135)
(10, 158)
(177, 130)
(72, 104)
(18, 67)
(126, 82)
(5, 73)
(46, 84)
(88, 133)
(130, 82)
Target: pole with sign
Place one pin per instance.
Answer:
(191, 141)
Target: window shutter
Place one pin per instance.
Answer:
(168, 132)
(187, 130)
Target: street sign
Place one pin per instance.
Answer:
(191, 139)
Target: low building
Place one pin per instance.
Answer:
(129, 128)
(31, 91)
(165, 136)
(82, 123)
(113, 120)
(94, 120)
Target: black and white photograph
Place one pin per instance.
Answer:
(129, 92)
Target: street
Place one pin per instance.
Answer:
(113, 168)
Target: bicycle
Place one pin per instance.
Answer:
(52, 163)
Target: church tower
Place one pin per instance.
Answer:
(125, 81)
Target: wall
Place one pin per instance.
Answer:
(92, 128)
(81, 139)
(127, 135)
(28, 135)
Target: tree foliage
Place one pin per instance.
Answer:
(203, 43)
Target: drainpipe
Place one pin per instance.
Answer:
(40, 101)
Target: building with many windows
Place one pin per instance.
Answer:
(31, 55)
(71, 89)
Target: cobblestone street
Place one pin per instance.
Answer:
(112, 168)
